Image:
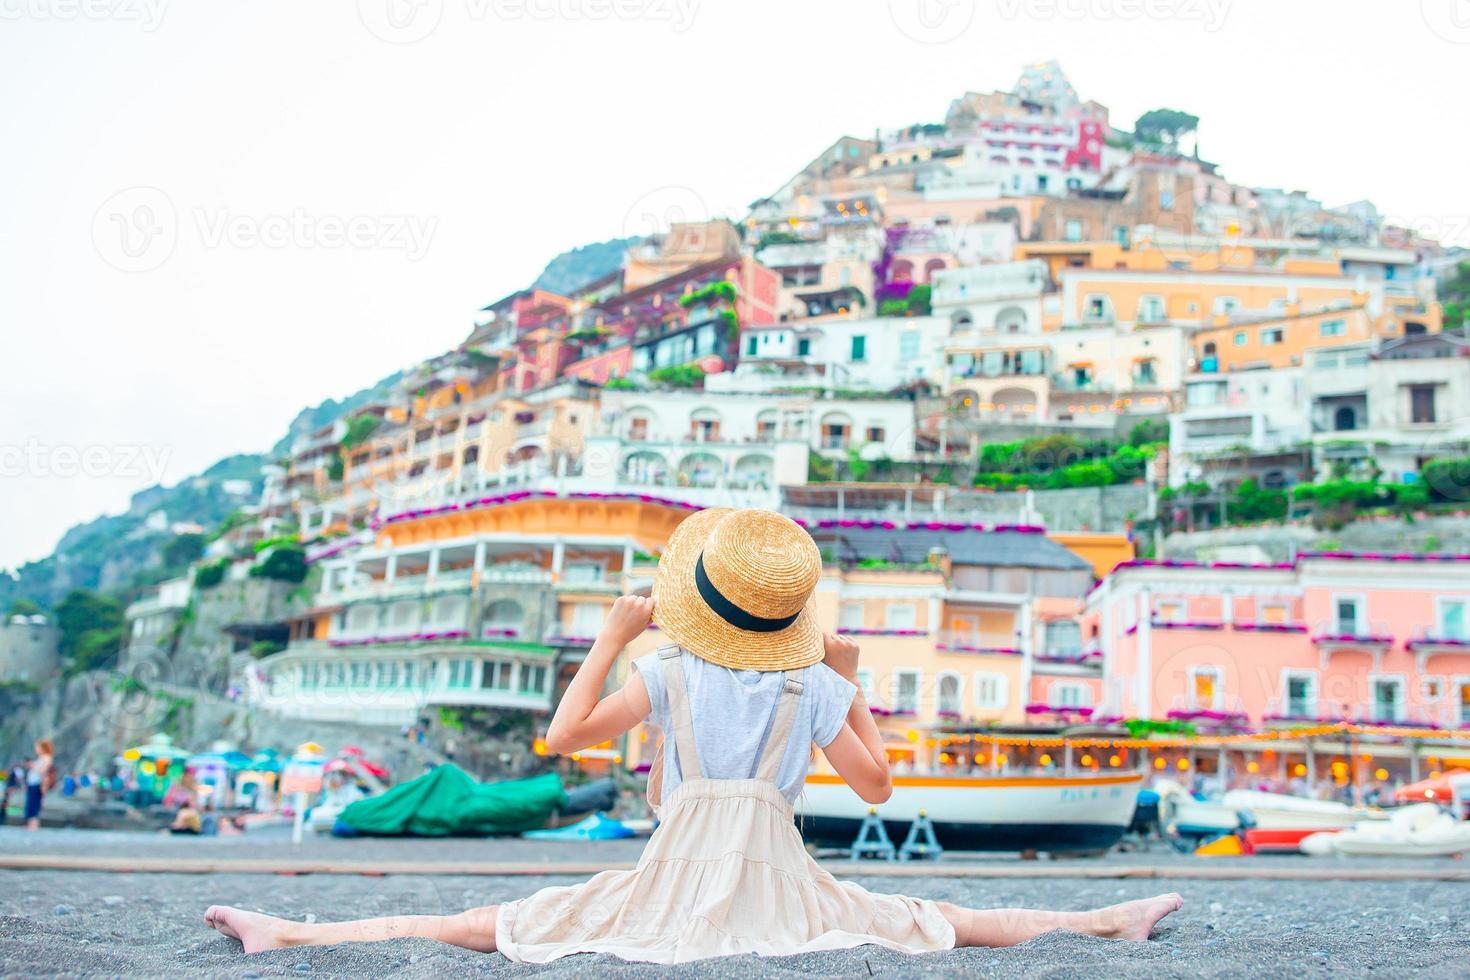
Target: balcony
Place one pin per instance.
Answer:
(1428, 642)
(1072, 384)
(1161, 623)
(967, 641)
(1342, 636)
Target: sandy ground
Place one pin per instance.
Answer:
(94, 923)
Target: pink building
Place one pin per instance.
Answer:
(1370, 638)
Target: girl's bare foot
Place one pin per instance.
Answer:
(254, 930)
(1135, 920)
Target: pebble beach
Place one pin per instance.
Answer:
(106, 923)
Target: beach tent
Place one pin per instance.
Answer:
(447, 801)
(255, 785)
(155, 765)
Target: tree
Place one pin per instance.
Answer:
(284, 564)
(91, 627)
(181, 549)
(23, 607)
(1164, 127)
(1454, 293)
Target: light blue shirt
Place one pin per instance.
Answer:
(732, 712)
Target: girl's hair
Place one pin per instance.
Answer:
(44, 746)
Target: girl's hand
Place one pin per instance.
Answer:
(841, 654)
(627, 619)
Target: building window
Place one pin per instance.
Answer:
(1171, 611)
(950, 697)
(1344, 419)
(1145, 373)
(533, 679)
(875, 433)
(497, 675)
(991, 690)
(1301, 696)
(865, 683)
(1073, 231)
(859, 348)
(1388, 699)
(850, 616)
(1421, 404)
(804, 347)
(900, 616)
(1271, 336)
(1332, 328)
(906, 693)
(908, 346)
(1151, 309)
(750, 345)
(1452, 619)
(1225, 305)
(1204, 688)
(1347, 619)
(1063, 638)
(1070, 695)
(1096, 308)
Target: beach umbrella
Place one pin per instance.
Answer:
(1436, 790)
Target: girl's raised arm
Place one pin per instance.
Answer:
(581, 720)
(857, 752)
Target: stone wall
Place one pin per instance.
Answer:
(1282, 542)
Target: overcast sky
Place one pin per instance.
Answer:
(218, 211)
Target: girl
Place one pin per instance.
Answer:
(39, 777)
(746, 686)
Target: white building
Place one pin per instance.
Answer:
(28, 649)
(875, 354)
(150, 619)
(1262, 412)
(753, 442)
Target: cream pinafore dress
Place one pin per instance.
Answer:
(725, 873)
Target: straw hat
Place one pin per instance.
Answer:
(733, 588)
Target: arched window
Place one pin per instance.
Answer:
(704, 425)
(961, 321)
(950, 700)
(1344, 419)
(502, 618)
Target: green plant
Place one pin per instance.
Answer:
(1250, 502)
(820, 469)
(209, 575)
(264, 648)
(619, 384)
(679, 376)
(276, 542)
(284, 564)
(359, 428)
(857, 467)
(721, 289)
(777, 238)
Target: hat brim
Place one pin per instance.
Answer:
(680, 611)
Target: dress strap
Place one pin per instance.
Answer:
(671, 662)
(769, 766)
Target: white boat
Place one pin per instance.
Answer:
(981, 813)
(1278, 811)
(1182, 814)
(1421, 830)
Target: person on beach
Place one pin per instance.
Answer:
(40, 776)
(746, 686)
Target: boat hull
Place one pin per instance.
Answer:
(1062, 813)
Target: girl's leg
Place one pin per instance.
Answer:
(1008, 927)
(474, 929)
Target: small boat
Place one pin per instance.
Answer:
(1278, 811)
(1418, 830)
(1185, 816)
(1061, 813)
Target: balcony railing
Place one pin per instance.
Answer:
(968, 641)
(1338, 632)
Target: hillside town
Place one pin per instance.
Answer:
(1090, 437)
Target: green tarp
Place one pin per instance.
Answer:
(447, 801)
